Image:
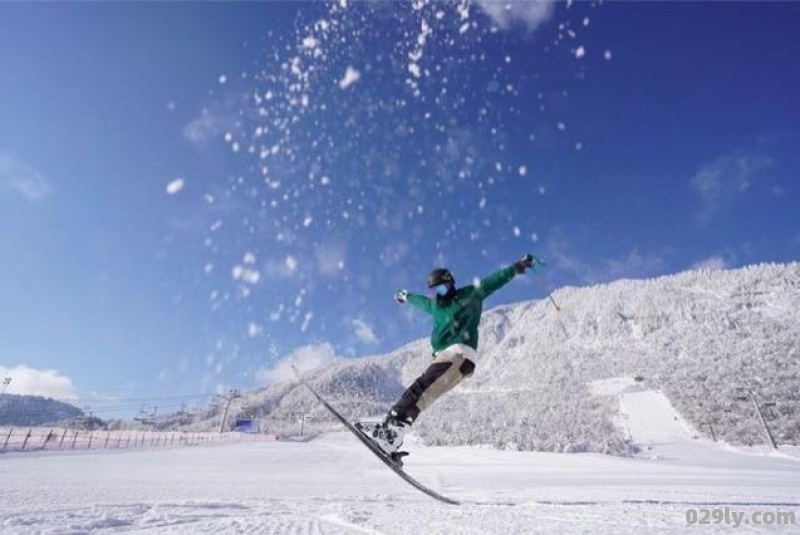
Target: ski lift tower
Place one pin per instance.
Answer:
(232, 394)
(750, 395)
(147, 420)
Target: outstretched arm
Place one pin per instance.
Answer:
(419, 301)
(500, 278)
(495, 281)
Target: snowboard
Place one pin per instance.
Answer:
(379, 453)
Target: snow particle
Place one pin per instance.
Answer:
(246, 275)
(254, 329)
(306, 321)
(175, 186)
(351, 76)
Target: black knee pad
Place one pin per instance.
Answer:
(467, 368)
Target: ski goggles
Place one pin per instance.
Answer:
(440, 289)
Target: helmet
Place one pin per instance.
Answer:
(441, 276)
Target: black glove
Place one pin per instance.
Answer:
(527, 262)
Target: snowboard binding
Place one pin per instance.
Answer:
(397, 457)
(387, 437)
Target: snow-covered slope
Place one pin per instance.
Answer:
(334, 485)
(649, 417)
(703, 338)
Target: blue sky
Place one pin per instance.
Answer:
(193, 192)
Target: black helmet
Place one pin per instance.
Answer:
(441, 276)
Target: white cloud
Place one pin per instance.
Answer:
(363, 331)
(280, 269)
(23, 179)
(395, 253)
(331, 258)
(305, 359)
(727, 179)
(532, 13)
(715, 262)
(563, 253)
(208, 126)
(33, 382)
(635, 265)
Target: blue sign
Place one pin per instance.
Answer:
(247, 425)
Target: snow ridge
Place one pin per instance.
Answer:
(34, 410)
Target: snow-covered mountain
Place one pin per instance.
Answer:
(34, 410)
(709, 340)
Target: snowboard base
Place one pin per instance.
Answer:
(379, 453)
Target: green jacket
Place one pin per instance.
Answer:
(457, 321)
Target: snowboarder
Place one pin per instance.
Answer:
(456, 314)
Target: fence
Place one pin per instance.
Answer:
(55, 439)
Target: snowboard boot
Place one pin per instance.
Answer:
(396, 427)
(387, 435)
